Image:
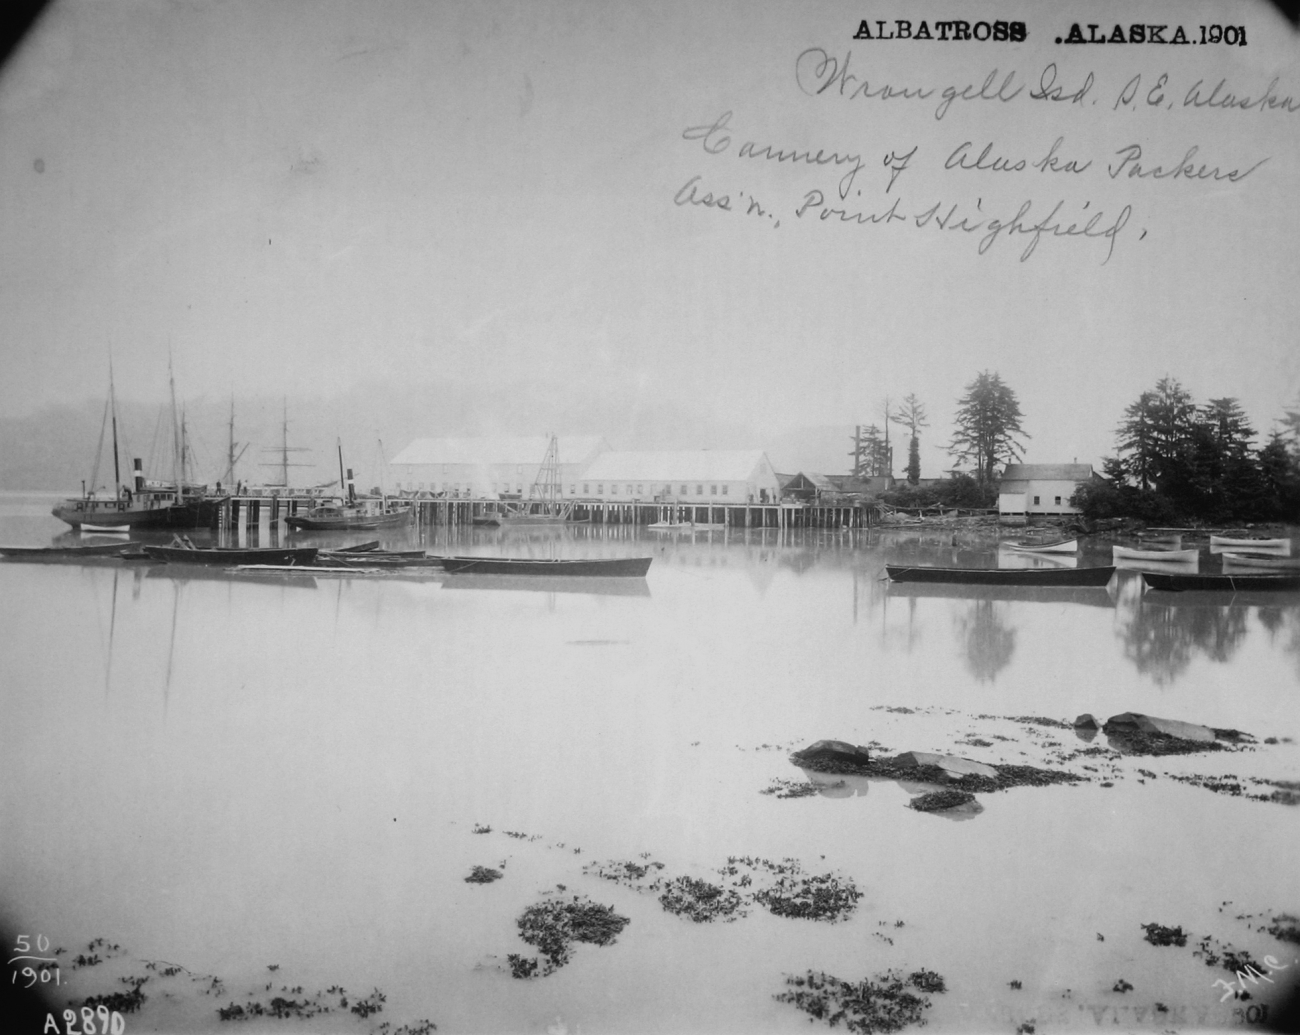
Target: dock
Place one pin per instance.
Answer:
(250, 512)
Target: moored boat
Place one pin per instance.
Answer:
(1094, 576)
(1221, 583)
(232, 556)
(1219, 543)
(623, 567)
(1275, 562)
(65, 553)
(1130, 553)
(1052, 546)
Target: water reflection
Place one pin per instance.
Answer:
(1162, 639)
(551, 584)
(988, 640)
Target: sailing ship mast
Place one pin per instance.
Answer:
(178, 437)
(285, 449)
(232, 458)
(112, 399)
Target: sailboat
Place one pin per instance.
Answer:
(137, 505)
(545, 505)
(348, 514)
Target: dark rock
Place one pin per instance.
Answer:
(1136, 722)
(834, 751)
(1086, 722)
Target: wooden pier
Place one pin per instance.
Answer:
(266, 511)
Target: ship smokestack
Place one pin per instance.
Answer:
(139, 474)
(352, 489)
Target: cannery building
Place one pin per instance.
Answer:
(489, 468)
(704, 476)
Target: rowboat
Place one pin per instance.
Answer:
(1167, 541)
(1095, 576)
(64, 553)
(1259, 560)
(1057, 546)
(1219, 543)
(685, 526)
(1221, 583)
(1130, 553)
(230, 557)
(623, 567)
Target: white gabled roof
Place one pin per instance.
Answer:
(528, 450)
(697, 465)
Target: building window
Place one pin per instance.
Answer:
(629, 490)
(586, 488)
(724, 490)
(600, 490)
(685, 490)
(1036, 501)
(573, 489)
(638, 490)
(699, 490)
(519, 488)
(713, 490)
(1058, 501)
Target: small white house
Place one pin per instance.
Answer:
(487, 468)
(1027, 490)
(704, 476)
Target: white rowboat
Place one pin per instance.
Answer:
(1129, 553)
(1219, 543)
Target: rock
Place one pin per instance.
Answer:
(1086, 722)
(1136, 722)
(948, 763)
(834, 751)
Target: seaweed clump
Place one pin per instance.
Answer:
(791, 789)
(122, 1002)
(700, 901)
(938, 801)
(822, 896)
(1157, 934)
(1285, 928)
(886, 1004)
(553, 926)
(482, 875)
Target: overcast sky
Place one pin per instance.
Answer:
(295, 196)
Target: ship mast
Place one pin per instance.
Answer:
(343, 490)
(112, 398)
(177, 444)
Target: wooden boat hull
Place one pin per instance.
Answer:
(618, 567)
(1221, 583)
(1275, 563)
(1063, 546)
(1129, 553)
(1219, 543)
(1095, 576)
(65, 553)
(349, 522)
(229, 558)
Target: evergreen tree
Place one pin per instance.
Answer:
(912, 416)
(988, 425)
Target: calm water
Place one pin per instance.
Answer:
(230, 775)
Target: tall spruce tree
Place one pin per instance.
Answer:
(988, 426)
(912, 416)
